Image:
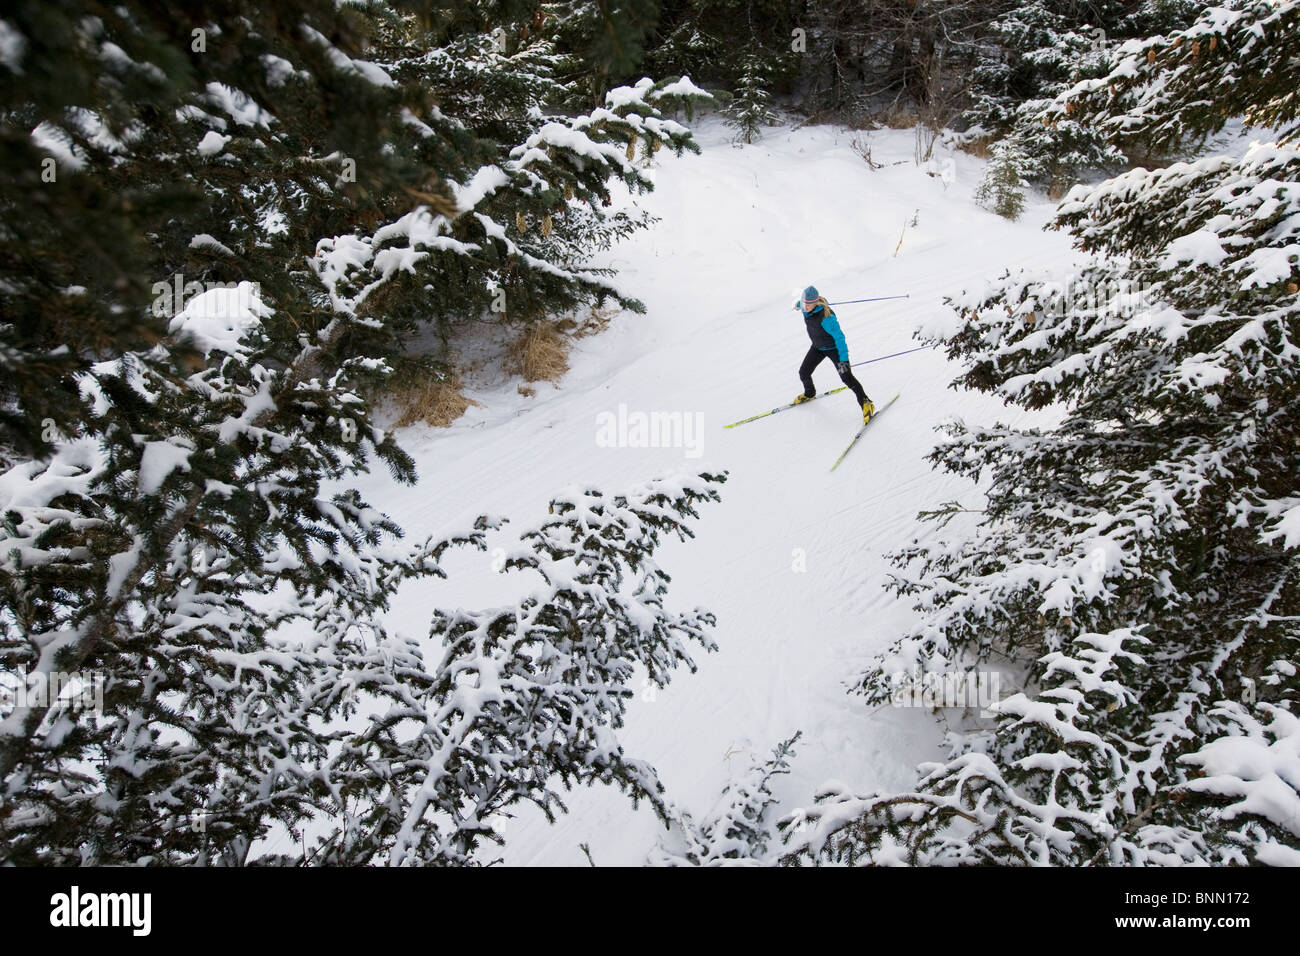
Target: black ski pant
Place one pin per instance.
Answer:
(812, 360)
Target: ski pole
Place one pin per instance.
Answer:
(895, 355)
(880, 298)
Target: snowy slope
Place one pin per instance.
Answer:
(741, 230)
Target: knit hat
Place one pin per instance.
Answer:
(810, 296)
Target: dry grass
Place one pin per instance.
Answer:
(1058, 187)
(426, 398)
(862, 147)
(597, 321)
(540, 353)
(426, 389)
(900, 117)
(1141, 154)
(980, 147)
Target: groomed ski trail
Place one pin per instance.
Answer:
(741, 230)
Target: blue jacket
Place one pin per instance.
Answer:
(824, 330)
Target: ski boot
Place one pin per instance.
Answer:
(801, 398)
(868, 409)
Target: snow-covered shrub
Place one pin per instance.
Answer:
(1003, 189)
(525, 698)
(223, 724)
(740, 826)
(750, 110)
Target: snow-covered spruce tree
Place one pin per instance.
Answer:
(750, 110)
(741, 825)
(524, 697)
(604, 43)
(526, 221)
(1029, 49)
(1044, 48)
(164, 523)
(1174, 90)
(1038, 50)
(718, 41)
(1003, 188)
(531, 183)
(1140, 558)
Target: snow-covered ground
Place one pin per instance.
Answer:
(742, 230)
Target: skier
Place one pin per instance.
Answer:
(827, 341)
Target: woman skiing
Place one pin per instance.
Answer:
(827, 341)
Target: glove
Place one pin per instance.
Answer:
(842, 368)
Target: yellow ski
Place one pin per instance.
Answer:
(754, 418)
(862, 429)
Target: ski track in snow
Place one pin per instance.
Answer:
(742, 230)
